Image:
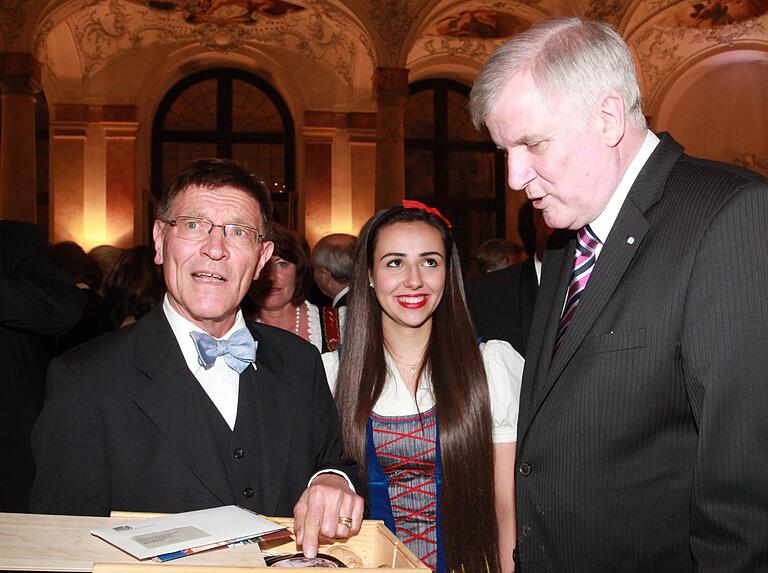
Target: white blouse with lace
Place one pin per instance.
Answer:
(503, 367)
(315, 333)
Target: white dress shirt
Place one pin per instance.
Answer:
(603, 224)
(338, 296)
(220, 382)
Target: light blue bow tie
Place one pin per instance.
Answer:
(239, 350)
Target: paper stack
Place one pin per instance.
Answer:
(172, 536)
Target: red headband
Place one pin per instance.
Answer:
(408, 204)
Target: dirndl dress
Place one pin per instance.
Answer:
(403, 478)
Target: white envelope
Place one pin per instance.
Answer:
(154, 536)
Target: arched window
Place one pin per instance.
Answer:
(230, 114)
(452, 166)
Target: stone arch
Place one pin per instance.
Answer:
(704, 104)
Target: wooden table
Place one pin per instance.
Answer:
(64, 543)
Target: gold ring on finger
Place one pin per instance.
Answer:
(345, 521)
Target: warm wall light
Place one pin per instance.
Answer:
(94, 230)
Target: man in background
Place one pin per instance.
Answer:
(333, 259)
(496, 254)
(37, 302)
(642, 427)
(501, 302)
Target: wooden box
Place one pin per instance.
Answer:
(64, 543)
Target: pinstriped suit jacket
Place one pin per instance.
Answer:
(643, 443)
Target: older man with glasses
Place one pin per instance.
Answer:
(191, 407)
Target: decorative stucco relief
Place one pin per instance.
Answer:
(609, 11)
(474, 48)
(219, 11)
(699, 13)
(13, 14)
(103, 29)
(393, 20)
(477, 23)
(500, 19)
(661, 49)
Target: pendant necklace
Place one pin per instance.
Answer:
(411, 367)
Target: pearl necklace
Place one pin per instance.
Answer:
(298, 320)
(297, 325)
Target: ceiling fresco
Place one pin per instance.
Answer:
(480, 23)
(224, 11)
(75, 39)
(105, 29)
(712, 13)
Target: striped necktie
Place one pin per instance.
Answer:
(587, 248)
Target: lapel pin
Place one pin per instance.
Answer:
(630, 240)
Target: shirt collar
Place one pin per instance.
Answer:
(182, 327)
(602, 226)
(340, 294)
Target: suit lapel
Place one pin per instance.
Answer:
(620, 247)
(276, 400)
(172, 403)
(556, 268)
(625, 239)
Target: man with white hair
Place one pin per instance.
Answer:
(642, 429)
(333, 259)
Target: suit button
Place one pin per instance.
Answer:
(524, 469)
(248, 492)
(238, 453)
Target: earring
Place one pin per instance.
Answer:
(370, 284)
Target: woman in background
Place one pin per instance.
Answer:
(278, 296)
(134, 286)
(428, 414)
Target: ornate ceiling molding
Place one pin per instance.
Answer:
(104, 29)
(701, 14)
(393, 20)
(434, 42)
(662, 50)
(13, 16)
(609, 11)
(475, 48)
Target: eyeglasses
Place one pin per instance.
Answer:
(197, 229)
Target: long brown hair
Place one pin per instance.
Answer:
(460, 387)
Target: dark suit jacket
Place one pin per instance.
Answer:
(501, 303)
(37, 301)
(125, 427)
(643, 443)
(342, 301)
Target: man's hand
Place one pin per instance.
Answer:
(323, 509)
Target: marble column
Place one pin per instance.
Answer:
(125, 226)
(319, 131)
(362, 142)
(391, 88)
(69, 130)
(93, 176)
(20, 79)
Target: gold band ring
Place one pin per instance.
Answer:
(345, 521)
